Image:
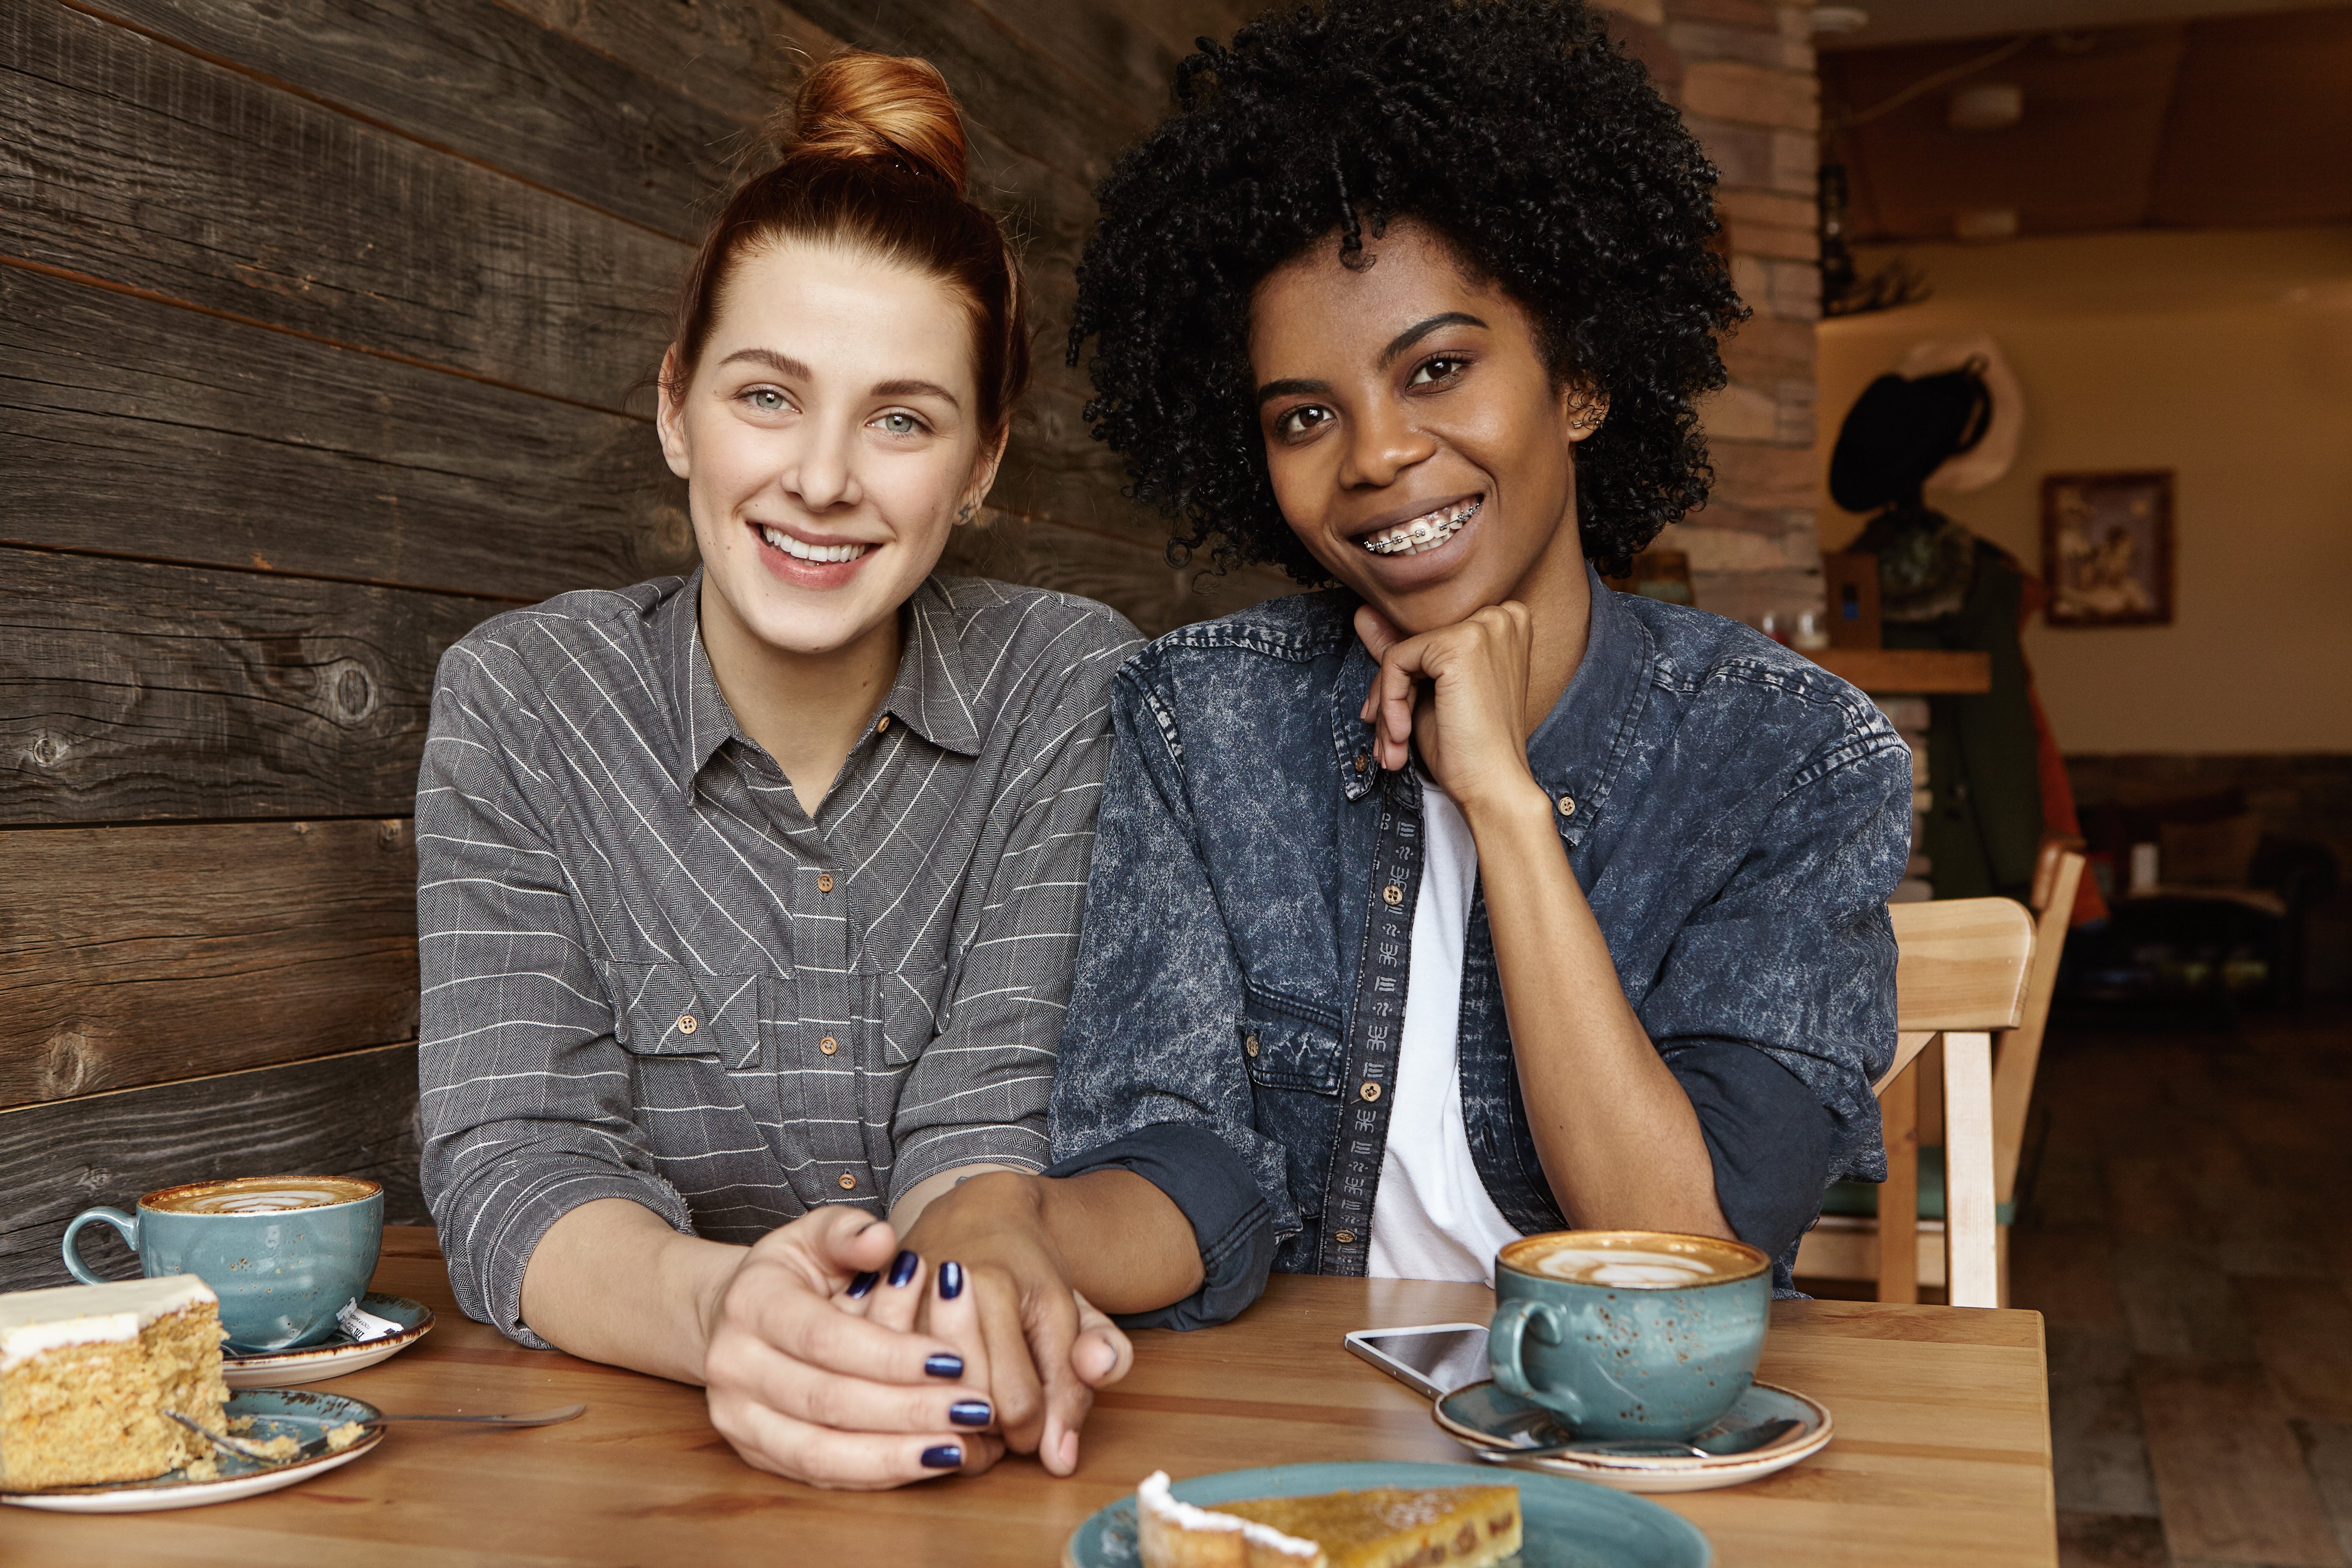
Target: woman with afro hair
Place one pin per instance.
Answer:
(1461, 897)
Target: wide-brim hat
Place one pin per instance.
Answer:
(1996, 449)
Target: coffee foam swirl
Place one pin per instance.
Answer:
(258, 1195)
(1633, 1260)
(1624, 1266)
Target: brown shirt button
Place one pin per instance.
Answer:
(1568, 806)
(1344, 1237)
(1369, 1093)
(1250, 1044)
(882, 724)
(1393, 894)
(828, 1045)
(848, 1180)
(825, 881)
(686, 1024)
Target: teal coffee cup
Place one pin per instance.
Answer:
(284, 1253)
(1628, 1333)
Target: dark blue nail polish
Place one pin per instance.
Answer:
(946, 1456)
(950, 1280)
(863, 1283)
(903, 1267)
(944, 1365)
(971, 1413)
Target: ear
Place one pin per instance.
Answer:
(1583, 407)
(984, 464)
(669, 416)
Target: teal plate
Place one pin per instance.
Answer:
(1569, 1523)
(300, 1414)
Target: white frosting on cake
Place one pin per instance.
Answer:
(33, 1322)
(1153, 1498)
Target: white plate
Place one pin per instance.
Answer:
(280, 1369)
(1479, 1417)
(299, 1414)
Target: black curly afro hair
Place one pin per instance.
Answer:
(1512, 128)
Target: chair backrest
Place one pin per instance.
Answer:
(2056, 875)
(1963, 963)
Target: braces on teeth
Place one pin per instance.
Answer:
(822, 553)
(1423, 533)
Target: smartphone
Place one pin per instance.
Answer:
(1434, 1358)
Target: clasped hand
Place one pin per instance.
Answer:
(836, 1357)
(1460, 694)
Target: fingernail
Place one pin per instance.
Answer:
(950, 1280)
(944, 1365)
(863, 1283)
(971, 1413)
(946, 1456)
(903, 1267)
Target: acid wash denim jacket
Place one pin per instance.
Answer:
(1735, 815)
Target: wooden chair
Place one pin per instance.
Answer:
(1968, 968)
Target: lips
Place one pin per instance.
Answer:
(1430, 531)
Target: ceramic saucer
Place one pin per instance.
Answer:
(1566, 1525)
(1492, 1423)
(336, 1356)
(295, 1413)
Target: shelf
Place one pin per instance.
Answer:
(1909, 671)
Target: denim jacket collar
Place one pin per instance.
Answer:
(1578, 750)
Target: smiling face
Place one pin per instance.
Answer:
(828, 439)
(1418, 445)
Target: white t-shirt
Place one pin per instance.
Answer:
(1432, 1218)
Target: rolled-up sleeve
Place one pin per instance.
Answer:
(981, 1090)
(1150, 1077)
(1775, 1006)
(524, 1094)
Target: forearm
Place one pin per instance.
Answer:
(1619, 1142)
(611, 1282)
(1120, 1241)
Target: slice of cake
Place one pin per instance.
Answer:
(87, 1372)
(1381, 1527)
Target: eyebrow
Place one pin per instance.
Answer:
(1274, 389)
(784, 364)
(1420, 330)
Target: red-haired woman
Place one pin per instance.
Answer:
(748, 901)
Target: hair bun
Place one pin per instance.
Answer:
(887, 107)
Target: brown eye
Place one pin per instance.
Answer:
(1443, 367)
(1299, 421)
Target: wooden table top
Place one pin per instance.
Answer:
(1942, 1452)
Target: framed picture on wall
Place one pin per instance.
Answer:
(2106, 549)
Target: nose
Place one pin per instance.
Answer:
(821, 469)
(1382, 443)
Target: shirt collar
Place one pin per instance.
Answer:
(1578, 750)
(931, 694)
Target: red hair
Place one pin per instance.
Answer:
(874, 154)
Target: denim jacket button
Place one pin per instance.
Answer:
(1369, 1093)
(1344, 1237)
(1568, 806)
(1362, 761)
(1250, 1044)
(1393, 894)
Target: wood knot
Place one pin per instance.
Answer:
(70, 1063)
(350, 690)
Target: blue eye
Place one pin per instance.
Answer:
(899, 422)
(766, 399)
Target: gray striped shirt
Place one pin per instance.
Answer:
(647, 974)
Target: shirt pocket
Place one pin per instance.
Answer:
(667, 1010)
(905, 1011)
(1288, 1047)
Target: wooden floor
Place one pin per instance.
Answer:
(2188, 1234)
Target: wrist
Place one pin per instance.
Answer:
(1513, 807)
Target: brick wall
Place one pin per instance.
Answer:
(1743, 72)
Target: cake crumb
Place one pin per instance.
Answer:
(238, 1425)
(276, 1450)
(344, 1436)
(205, 1469)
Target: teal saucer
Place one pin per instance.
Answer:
(1568, 1523)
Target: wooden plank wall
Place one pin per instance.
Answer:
(324, 333)
(324, 327)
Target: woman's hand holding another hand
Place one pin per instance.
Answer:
(854, 1398)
